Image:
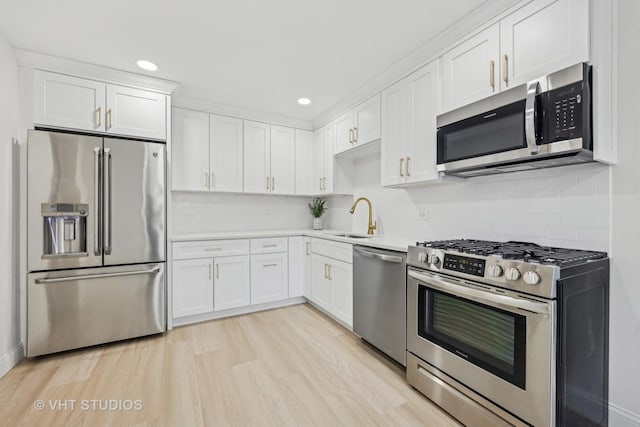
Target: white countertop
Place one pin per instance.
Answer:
(376, 241)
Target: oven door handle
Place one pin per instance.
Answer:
(503, 301)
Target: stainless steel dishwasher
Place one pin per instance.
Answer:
(380, 299)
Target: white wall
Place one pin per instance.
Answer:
(567, 207)
(210, 213)
(625, 194)
(10, 347)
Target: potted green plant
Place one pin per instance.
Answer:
(317, 208)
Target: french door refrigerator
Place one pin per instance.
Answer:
(96, 240)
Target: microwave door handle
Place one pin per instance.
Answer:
(533, 89)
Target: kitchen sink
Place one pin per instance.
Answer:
(352, 236)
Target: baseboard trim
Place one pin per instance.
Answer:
(620, 417)
(11, 359)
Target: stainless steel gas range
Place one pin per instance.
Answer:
(509, 333)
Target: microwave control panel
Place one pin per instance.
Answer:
(565, 108)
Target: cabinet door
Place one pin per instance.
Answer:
(318, 161)
(343, 132)
(269, 278)
(304, 163)
(542, 37)
(328, 135)
(257, 143)
(226, 154)
(341, 279)
(320, 285)
(423, 104)
(192, 287)
(306, 288)
(367, 121)
(189, 150)
(231, 283)
(283, 164)
(68, 102)
(296, 266)
(135, 112)
(470, 71)
(392, 150)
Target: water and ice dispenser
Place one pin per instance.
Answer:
(65, 230)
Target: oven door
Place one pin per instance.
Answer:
(498, 344)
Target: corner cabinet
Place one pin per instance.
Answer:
(207, 152)
(408, 139)
(304, 162)
(323, 167)
(541, 37)
(67, 102)
(359, 126)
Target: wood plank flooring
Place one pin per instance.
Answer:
(286, 367)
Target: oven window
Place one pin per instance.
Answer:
(493, 132)
(488, 337)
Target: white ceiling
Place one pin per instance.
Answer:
(260, 55)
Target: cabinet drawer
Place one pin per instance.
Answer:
(332, 249)
(268, 245)
(209, 248)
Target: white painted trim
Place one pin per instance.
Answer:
(11, 359)
(474, 22)
(182, 321)
(620, 417)
(94, 72)
(239, 112)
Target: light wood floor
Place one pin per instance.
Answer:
(290, 366)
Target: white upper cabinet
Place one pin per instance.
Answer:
(359, 126)
(135, 112)
(226, 162)
(304, 163)
(470, 69)
(257, 146)
(323, 159)
(69, 102)
(190, 150)
(62, 101)
(542, 37)
(408, 144)
(282, 158)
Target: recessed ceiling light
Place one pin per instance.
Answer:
(146, 65)
(304, 101)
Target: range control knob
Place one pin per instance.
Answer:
(495, 270)
(512, 274)
(433, 259)
(422, 257)
(531, 278)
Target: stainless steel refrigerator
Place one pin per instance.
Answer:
(96, 240)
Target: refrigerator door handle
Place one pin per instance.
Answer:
(106, 213)
(97, 244)
(97, 276)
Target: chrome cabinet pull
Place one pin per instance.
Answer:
(213, 181)
(505, 69)
(217, 271)
(109, 117)
(270, 245)
(269, 265)
(97, 276)
(492, 74)
(99, 116)
(401, 164)
(106, 203)
(97, 244)
(273, 183)
(406, 168)
(308, 248)
(268, 183)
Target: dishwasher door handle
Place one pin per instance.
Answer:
(382, 257)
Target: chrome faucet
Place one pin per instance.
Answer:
(372, 225)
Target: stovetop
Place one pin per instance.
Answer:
(520, 251)
(516, 266)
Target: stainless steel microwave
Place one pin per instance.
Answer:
(543, 123)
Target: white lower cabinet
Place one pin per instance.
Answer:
(332, 280)
(232, 282)
(192, 287)
(269, 277)
(297, 269)
(306, 287)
